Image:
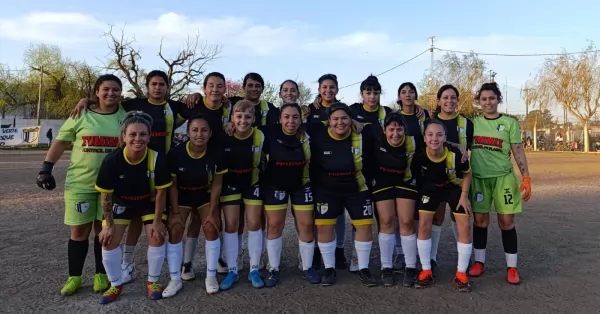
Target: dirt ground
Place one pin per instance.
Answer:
(558, 246)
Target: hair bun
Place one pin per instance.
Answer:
(372, 78)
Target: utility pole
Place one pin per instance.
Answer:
(492, 76)
(39, 105)
(430, 81)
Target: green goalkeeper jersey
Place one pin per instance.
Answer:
(492, 139)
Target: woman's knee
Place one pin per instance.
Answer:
(506, 222)
(481, 220)
(176, 233)
(387, 223)
(81, 232)
(211, 232)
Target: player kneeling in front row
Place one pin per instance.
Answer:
(197, 172)
(133, 181)
(444, 179)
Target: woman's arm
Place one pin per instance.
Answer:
(174, 197)
(57, 149)
(106, 200)
(160, 204)
(520, 158)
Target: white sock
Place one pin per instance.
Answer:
(231, 250)
(386, 249)
(128, 253)
(455, 230)
(417, 232)
(363, 252)
(307, 251)
(189, 249)
(156, 259)
(436, 232)
(255, 239)
(511, 260)
(398, 239)
(479, 255)
(174, 252)
(274, 248)
(327, 253)
(211, 250)
(409, 247)
(112, 264)
(424, 248)
(464, 255)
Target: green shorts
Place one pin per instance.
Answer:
(502, 191)
(82, 208)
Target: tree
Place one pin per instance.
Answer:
(306, 95)
(538, 118)
(187, 67)
(466, 73)
(270, 92)
(15, 90)
(234, 88)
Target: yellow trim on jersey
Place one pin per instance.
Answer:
(187, 149)
(117, 222)
(451, 168)
(276, 207)
(306, 148)
(357, 152)
(325, 222)
(164, 186)
(224, 171)
(264, 110)
(99, 189)
(401, 142)
(253, 202)
(380, 113)
(362, 222)
(424, 211)
(462, 130)
(230, 198)
(257, 145)
(334, 137)
(152, 216)
(245, 137)
(437, 160)
(169, 128)
(370, 110)
(303, 207)
(137, 163)
(409, 147)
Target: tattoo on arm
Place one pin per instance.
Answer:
(107, 209)
(520, 158)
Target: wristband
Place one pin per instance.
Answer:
(47, 166)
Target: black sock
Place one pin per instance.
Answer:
(77, 251)
(480, 237)
(509, 241)
(98, 256)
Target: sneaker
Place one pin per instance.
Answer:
(316, 264)
(424, 279)
(340, 258)
(477, 269)
(222, 268)
(410, 277)
(229, 281)
(353, 268)
(212, 286)
(187, 272)
(366, 278)
(111, 294)
(434, 267)
(172, 288)
(398, 264)
(311, 276)
(272, 279)
(329, 277)
(101, 283)
(387, 277)
(73, 284)
(127, 273)
(154, 290)
(512, 276)
(255, 279)
(462, 282)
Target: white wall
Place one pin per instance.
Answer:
(45, 126)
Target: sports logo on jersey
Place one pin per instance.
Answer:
(316, 116)
(280, 195)
(118, 209)
(460, 130)
(500, 127)
(322, 208)
(383, 149)
(181, 169)
(356, 151)
(425, 199)
(359, 117)
(82, 207)
(413, 182)
(255, 149)
(327, 152)
(478, 197)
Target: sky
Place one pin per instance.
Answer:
(302, 40)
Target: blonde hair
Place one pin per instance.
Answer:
(134, 117)
(243, 105)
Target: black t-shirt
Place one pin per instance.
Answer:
(164, 116)
(289, 158)
(444, 173)
(316, 115)
(216, 118)
(337, 165)
(194, 175)
(415, 126)
(459, 130)
(264, 112)
(244, 157)
(362, 115)
(130, 184)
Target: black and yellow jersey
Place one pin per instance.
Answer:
(288, 158)
(392, 165)
(133, 185)
(244, 157)
(194, 174)
(459, 130)
(364, 115)
(315, 114)
(164, 116)
(264, 112)
(446, 172)
(415, 126)
(217, 118)
(337, 164)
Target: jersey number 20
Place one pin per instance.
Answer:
(368, 210)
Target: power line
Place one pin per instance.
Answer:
(516, 55)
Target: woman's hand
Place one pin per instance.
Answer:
(229, 129)
(81, 105)
(356, 126)
(105, 236)
(192, 99)
(158, 230)
(317, 102)
(465, 203)
(419, 111)
(214, 217)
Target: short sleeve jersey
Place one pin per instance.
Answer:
(164, 116)
(492, 139)
(130, 183)
(415, 126)
(337, 164)
(217, 118)
(264, 112)
(459, 130)
(289, 158)
(244, 157)
(364, 115)
(194, 174)
(443, 173)
(94, 135)
(316, 115)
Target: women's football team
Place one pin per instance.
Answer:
(245, 161)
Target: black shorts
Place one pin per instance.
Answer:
(123, 215)
(249, 196)
(331, 204)
(277, 199)
(394, 192)
(195, 201)
(431, 200)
